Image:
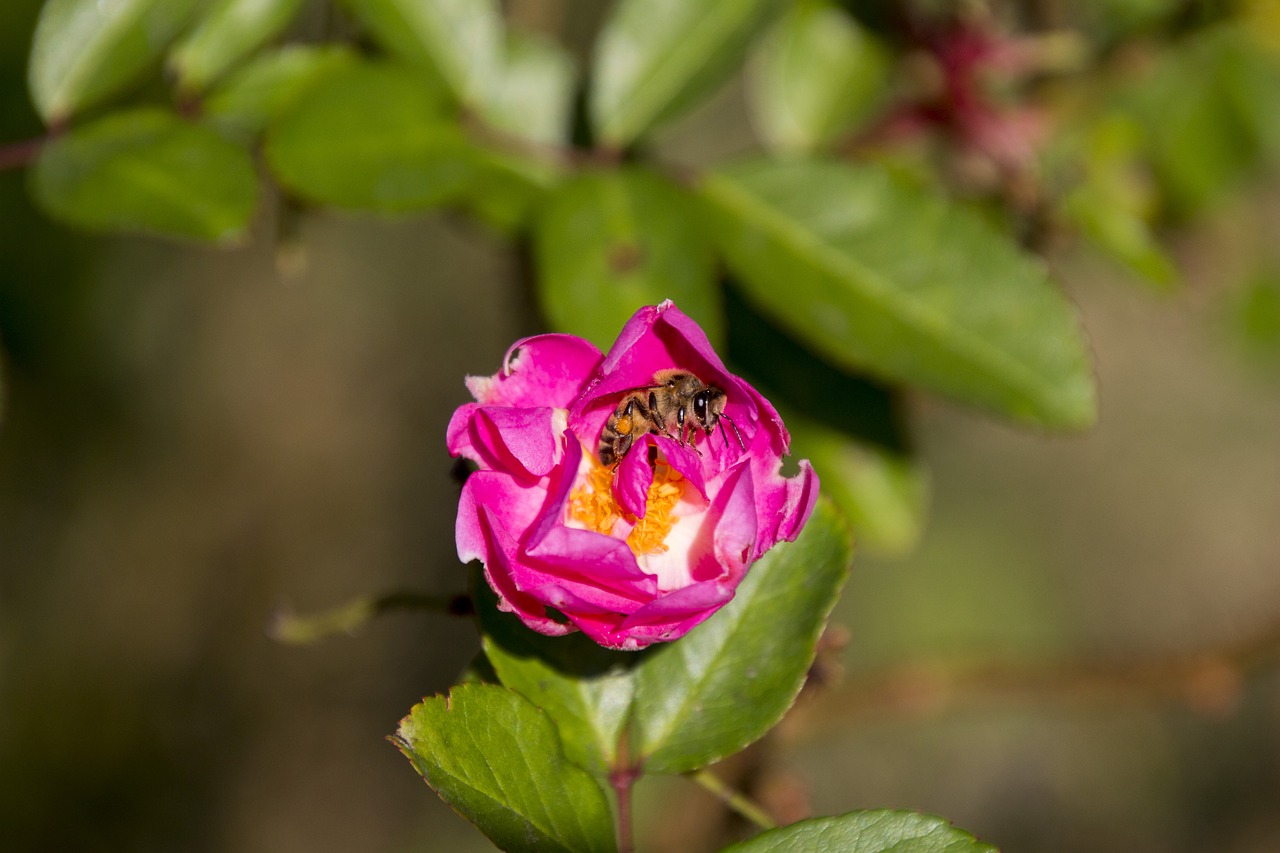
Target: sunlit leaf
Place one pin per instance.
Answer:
(607, 243)
(84, 51)
(728, 681)
(244, 103)
(532, 93)
(149, 171)
(877, 831)
(894, 280)
(816, 72)
(497, 760)
(229, 31)
(372, 137)
(656, 57)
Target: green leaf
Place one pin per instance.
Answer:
(506, 188)
(816, 72)
(243, 104)
(879, 276)
(148, 171)
(655, 57)
(728, 681)
(498, 761)
(878, 831)
(607, 243)
(459, 40)
(370, 136)
(228, 32)
(587, 690)
(84, 51)
(533, 93)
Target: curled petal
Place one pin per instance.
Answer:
(544, 370)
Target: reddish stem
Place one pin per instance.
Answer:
(17, 155)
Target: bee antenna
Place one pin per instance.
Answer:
(736, 434)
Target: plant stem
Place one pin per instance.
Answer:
(287, 627)
(735, 800)
(622, 778)
(16, 155)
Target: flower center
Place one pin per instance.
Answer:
(592, 504)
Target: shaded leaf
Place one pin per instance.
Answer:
(730, 680)
(243, 104)
(816, 72)
(84, 51)
(879, 276)
(459, 40)
(505, 188)
(228, 32)
(607, 243)
(655, 57)
(149, 171)
(370, 136)
(497, 760)
(877, 831)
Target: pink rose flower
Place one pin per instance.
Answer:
(641, 550)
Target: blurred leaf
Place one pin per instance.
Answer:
(586, 689)
(1120, 233)
(460, 40)
(228, 32)
(84, 51)
(730, 680)
(243, 104)
(533, 92)
(505, 188)
(498, 761)
(655, 57)
(816, 72)
(880, 276)
(1256, 317)
(147, 170)
(877, 831)
(607, 243)
(370, 136)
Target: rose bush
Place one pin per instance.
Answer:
(634, 553)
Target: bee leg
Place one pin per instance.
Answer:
(736, 434)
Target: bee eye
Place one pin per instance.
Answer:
(700, 407)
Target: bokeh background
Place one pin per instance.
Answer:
(192, 441)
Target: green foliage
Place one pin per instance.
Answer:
(608, 242)
(497, 759)
(891, 279)
(85, 51)
(229, 31)
(878, 831)
(147, 170)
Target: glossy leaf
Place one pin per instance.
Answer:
(372, 137)
(607, 243)
(84, 51)
(879, 276)
(816, 72)
(245, 103)
(498, 761)
(587, 690)
(532, 94)
(730, 680)
(459, 40)
(226, 34)
(874, 831)
(655, 57)
(148, 171)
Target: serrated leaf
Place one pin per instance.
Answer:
(498, 760)
(607, 243)
(587, 690)
(370, 136)
(730, 680)
(148, 171)
(459, 40)
(228, 32)
(816, 72)
(243, 104)
(655, 57)
(875, 831)
(532, 93)
(879, 276)
(84, 51)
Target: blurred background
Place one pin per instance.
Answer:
(192, 441)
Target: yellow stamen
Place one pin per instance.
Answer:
(592, 504)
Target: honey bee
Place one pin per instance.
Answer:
(676, 401)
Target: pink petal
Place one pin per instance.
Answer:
(544, 370)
